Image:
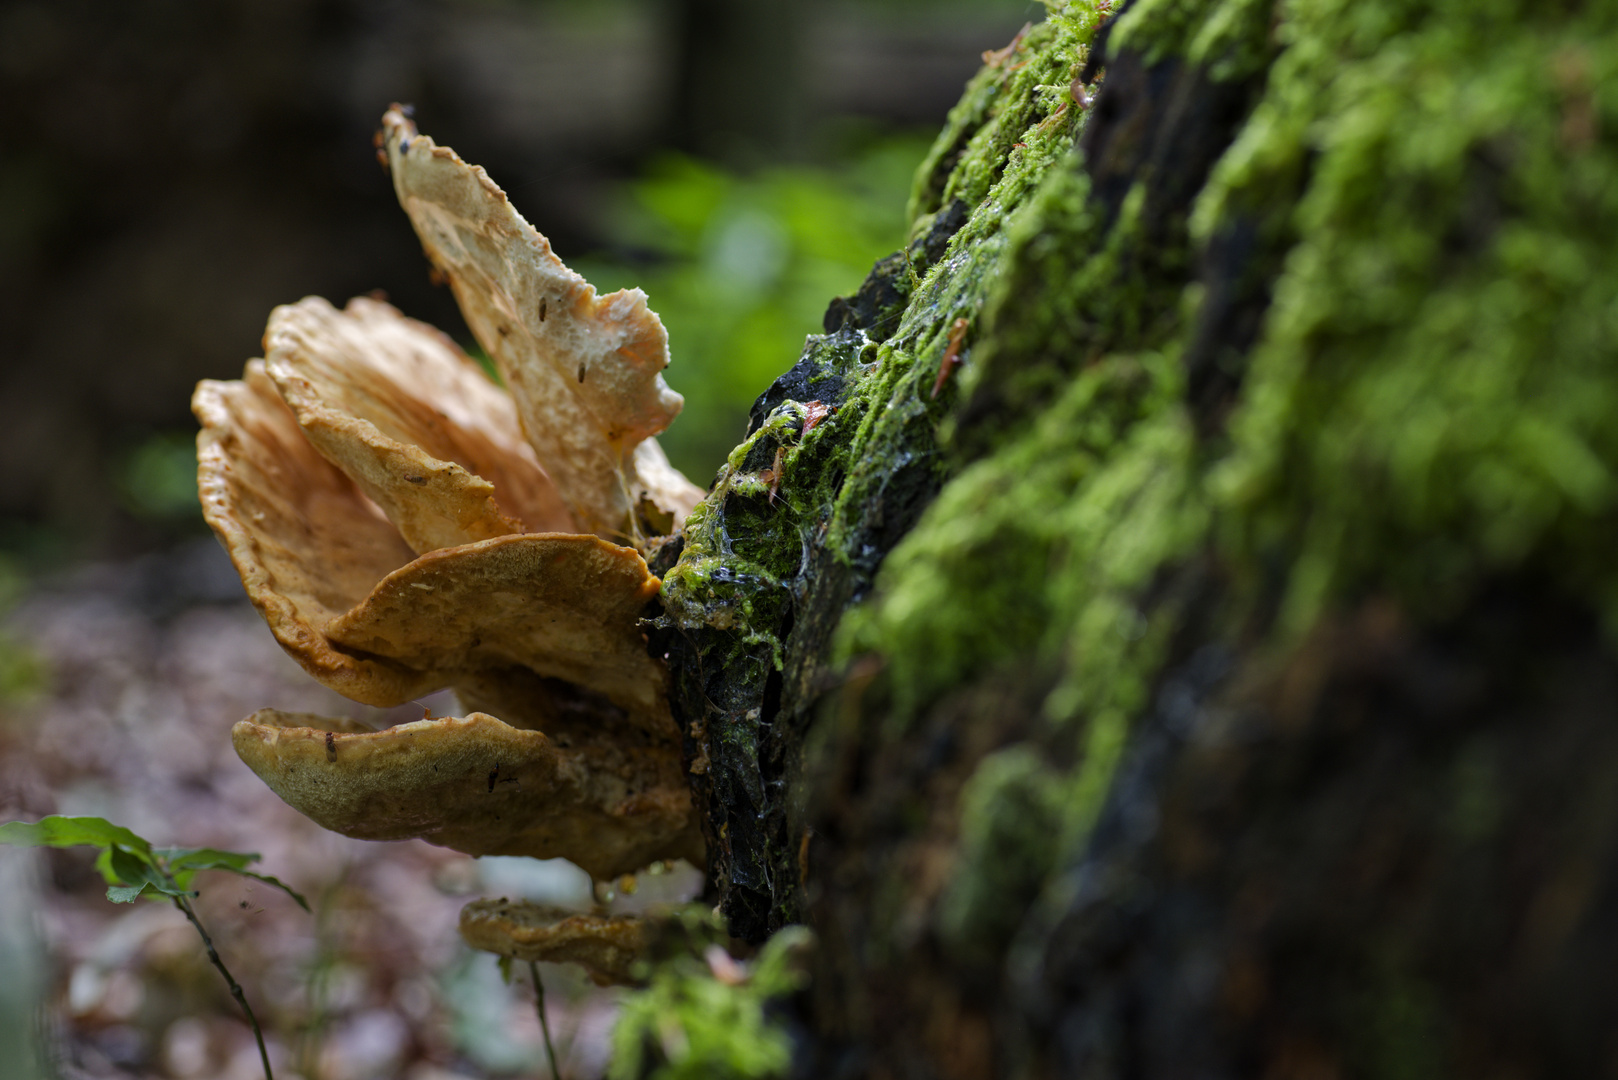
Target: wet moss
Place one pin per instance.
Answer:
(1430, 400)
(803, 514)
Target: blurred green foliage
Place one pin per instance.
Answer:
(23, 673)
(156, 478)
(129, 863)
(599, 10)
(705, 1017)
(741, 268)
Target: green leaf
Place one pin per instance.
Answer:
(104, 866)
(204, 858)
(61, 832)
(142, 877)
(129, 864)
(184, 864)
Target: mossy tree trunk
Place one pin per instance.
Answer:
(1165, 626)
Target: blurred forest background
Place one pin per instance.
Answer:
(170, 170)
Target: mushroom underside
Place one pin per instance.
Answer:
(606, 946)
(481, 786)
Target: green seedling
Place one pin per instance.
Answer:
(133, 868)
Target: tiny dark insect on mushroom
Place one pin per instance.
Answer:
(544, 305)
(331, 747)
(493, 776)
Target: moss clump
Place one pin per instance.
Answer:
(1010, 809)
(1434, 399)
(703, 1015)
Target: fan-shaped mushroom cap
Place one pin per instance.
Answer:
(307, 543)
(480, 786)
(341, 593)
(606, 946)
(389, 514)
(667, 496)
(562, 606)
(410, 418)
(583, 369)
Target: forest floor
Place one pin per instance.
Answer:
(143, 668)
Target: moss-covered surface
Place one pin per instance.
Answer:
(1318, 319)
(803, 514)
(703, 1015)
(1184, 686)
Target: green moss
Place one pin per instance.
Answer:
(1231, 38)
(1016, 98)
(690, 1024)
(827, 474)
(1010, 809)
(1432, 400)
(799, 520)
(985, 577)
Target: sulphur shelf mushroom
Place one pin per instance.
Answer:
(405, 525)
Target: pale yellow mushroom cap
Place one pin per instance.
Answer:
(405, 525)
(307, 543)
(480, 786)
(607, 946)
(413, 421)
(342, 594)
(584, 370)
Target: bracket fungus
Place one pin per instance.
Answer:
(606, 946)
(405, 525)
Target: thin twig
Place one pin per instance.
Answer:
(235, 989)
(544, 1024)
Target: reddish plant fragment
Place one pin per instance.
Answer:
(952, 355)
(814, 413)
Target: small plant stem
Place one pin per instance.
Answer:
(544, 1024)
(235, 988)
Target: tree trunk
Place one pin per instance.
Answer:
(1163, 627)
